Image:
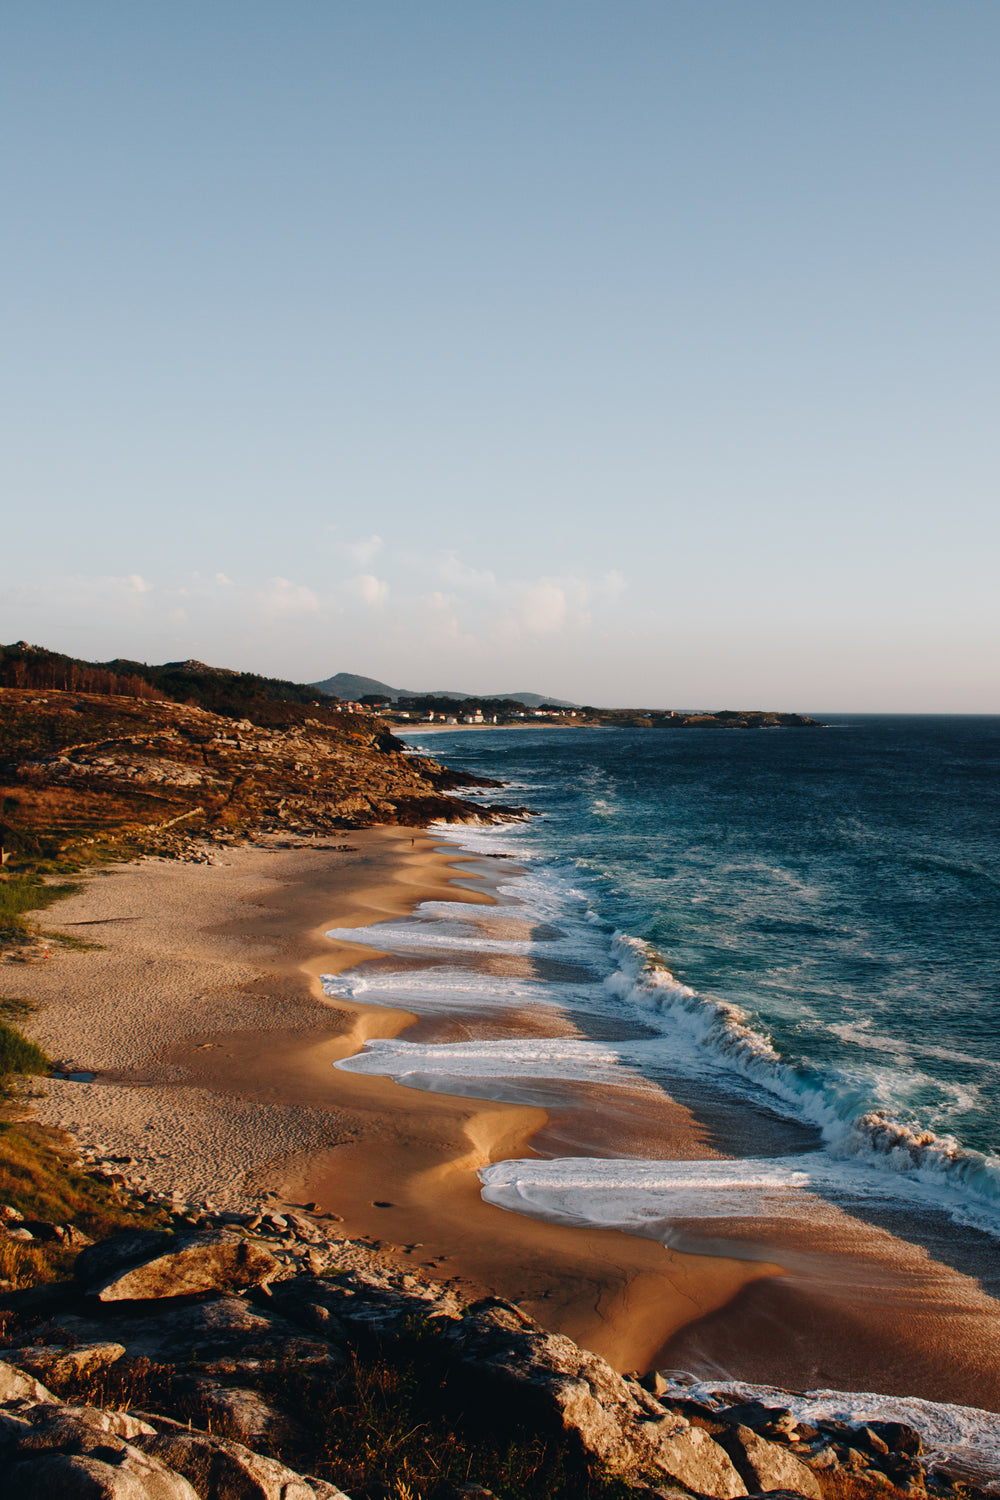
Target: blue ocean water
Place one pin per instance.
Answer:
(818, 909)
(803, 922)
(792, 933)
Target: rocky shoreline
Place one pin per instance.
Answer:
(226, 1308)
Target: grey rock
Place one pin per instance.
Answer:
(217, 1336)
(244, 1414)
(141, 1265)
(221, 1469)
(79, 1476)
(15, 1385)
(76, 1428)
(765, 1466)
(823, 1458)
(325, 1491)
(547, 1380)
(692, 1458)
(51, 1363)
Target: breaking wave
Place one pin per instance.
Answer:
(851, 1124)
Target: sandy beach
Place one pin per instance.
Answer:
(211, 1042)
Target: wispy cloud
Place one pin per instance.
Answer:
(369, 589)
(281, 596)
(364, 551)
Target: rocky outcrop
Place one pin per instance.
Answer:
(76, 1362)
(143, 1264)
(765, 1465)
(81, 1453)
(176, 780)
(223, 1352)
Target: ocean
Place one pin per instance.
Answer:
(793, 932)
(804, 919)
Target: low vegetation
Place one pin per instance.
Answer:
(19, 1057)
(388, 1427)
(40, 1180)
(192, 682)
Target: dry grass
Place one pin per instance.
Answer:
(38, 1179)
(392, 1423)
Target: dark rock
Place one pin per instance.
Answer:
(89, 1477)
(221, 1336)
(40, 1301)
(778, 1495)
(899, 1437)
(130, 1248)
(245, 1415)
(49, 1362)
(873, 1441)
(145, 1264)
(764, 1466)
(221, 1469)
(42, 1230)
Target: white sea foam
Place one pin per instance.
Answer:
(856, 1110)
(629, 1193)
(853, 1123)
(432, 1065)
(442, 987)
(633, 1195)
(963, 1433)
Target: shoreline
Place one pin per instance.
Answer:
(237, 1110)
(229, 1085)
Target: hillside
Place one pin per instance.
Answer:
(352, 688)
(139, 775)
(219, 689)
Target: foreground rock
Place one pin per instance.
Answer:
(54, 1450)
(226, 1326)
(144, 1264)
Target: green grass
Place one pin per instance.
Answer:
(19, 1057)
(20, 894)
(37, 1178)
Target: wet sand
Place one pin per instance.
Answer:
(214, 1046)
(204, 1021)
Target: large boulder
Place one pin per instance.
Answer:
(221, 1469)
(244, 1414)
(144, 1264)
(221, 1336)
(83, 1476)
(15, 1385)
(81, 1453)
(50, 1362)
(546, 1380)
(766, 1466)
(87, 1453)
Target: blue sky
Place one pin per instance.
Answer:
(634, 353)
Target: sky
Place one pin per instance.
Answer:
(635, 353)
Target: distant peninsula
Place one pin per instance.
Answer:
(400, 705)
